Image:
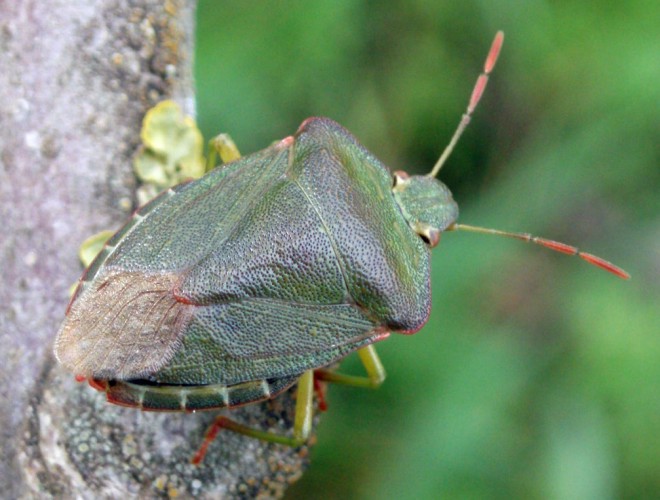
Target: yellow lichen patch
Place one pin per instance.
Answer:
(172, 150)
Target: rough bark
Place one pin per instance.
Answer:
(75, 81)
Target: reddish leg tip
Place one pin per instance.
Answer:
(210, 435)
(319, 388)
(198, 457)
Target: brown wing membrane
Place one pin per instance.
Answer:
(132, 327)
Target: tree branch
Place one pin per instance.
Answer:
(76, 79)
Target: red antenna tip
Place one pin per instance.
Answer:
(603, 264)
(477, 93)
(494, 52)
(551, 244)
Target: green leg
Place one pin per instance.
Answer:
(372, 365)
(225, 147)
(301, 428)
(304, 404)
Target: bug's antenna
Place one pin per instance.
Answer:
(477, 92)
(557, 246)
(552, 245)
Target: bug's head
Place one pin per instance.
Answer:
(426, 204)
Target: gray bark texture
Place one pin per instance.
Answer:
(76, 78)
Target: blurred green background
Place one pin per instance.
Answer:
(537, 375)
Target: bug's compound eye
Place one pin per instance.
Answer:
(430, 235)
(400, 181)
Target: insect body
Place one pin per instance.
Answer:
(229, 289)
(281, 262)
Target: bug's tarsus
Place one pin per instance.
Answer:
(319, 391)
(551, 244)
(209, 437)
(477, 92)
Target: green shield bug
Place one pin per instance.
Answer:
(230, 289)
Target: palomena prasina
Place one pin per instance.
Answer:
(228, 290)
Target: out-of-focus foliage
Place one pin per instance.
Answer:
(537, 375)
